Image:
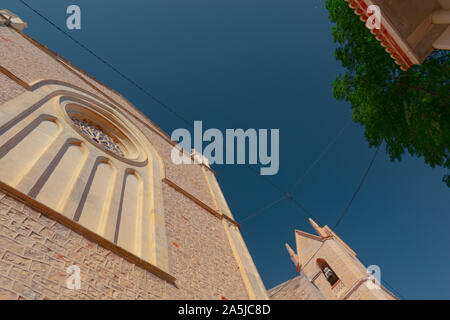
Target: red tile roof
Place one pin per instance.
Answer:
(386, 39)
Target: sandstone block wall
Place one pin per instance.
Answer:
(35, 250)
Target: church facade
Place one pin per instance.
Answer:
(86, 180)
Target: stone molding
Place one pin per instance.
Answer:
(88, 234)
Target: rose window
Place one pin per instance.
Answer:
(96, 134)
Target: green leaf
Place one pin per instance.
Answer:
(409, 110)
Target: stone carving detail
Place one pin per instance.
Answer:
(96, 134)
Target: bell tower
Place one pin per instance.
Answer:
(333, 267)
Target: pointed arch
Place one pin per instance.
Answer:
(329, 273)
(96, 176)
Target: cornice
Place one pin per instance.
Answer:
(212, 211)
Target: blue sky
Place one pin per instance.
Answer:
(268, 64)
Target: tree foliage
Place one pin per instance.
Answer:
(410, 110)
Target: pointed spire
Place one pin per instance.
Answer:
(294, 258)
(320, 231)
(10, 19)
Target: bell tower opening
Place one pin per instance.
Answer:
(330, 275)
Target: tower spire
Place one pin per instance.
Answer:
(295, 259)
(320, 231)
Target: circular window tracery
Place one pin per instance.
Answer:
(98, 135)
(105, 130)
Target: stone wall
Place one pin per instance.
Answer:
(298, 288)
(35, 252)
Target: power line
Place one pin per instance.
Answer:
(266, 179)
(322, 154)
(262, 209)
(357, 189)
(286, 194)
(302, 207)
(393, 289)
(312, 256)
(385, 282)
(109, 65)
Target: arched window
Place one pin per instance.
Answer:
(329, 274)
(85, 159)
